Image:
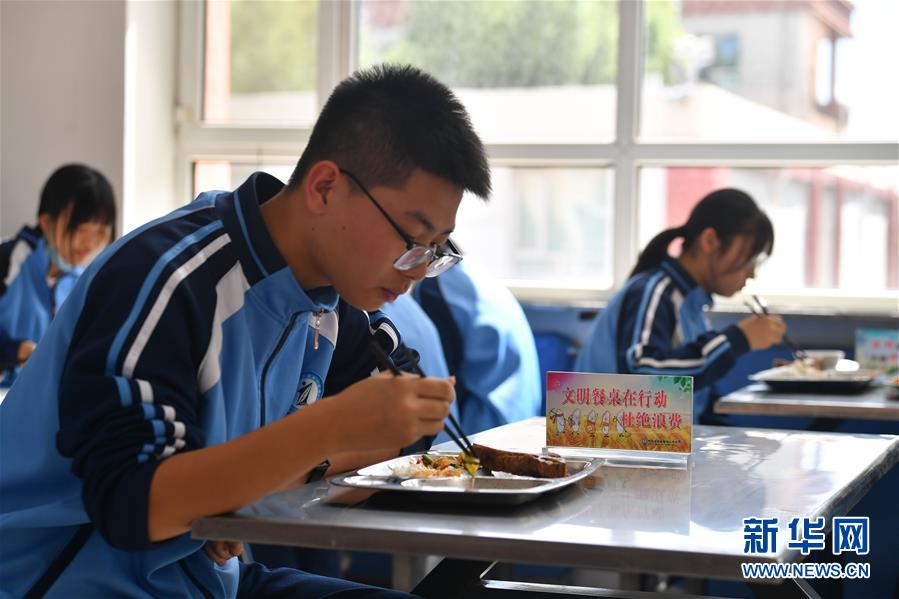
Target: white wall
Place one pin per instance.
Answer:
(151, 43)
(63, 98)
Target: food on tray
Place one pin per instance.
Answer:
(815, 362)
(524, 464)
(808, 367)
(510, 462)
(470, 462)
(430, 466)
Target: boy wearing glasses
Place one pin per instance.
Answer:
(167, 383)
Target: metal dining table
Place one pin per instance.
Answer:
(873, 403)
(686, 521)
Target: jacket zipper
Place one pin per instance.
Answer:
(317, 325)
(268, 363)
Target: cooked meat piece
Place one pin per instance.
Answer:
(523, 464)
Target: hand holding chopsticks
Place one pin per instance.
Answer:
(760, 309)
(454, 434)
(453, 429)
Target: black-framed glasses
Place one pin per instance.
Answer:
(438, 258)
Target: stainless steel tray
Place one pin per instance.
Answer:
(495, 488)
(781, 379)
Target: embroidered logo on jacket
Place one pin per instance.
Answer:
(309, 391)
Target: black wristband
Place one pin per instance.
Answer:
(318, 472)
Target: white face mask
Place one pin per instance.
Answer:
(58, 260)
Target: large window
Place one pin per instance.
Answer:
(605, 122)
(831, 225)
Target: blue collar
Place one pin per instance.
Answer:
(258, 255)
(32, 235)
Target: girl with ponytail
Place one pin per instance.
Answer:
(656, 324)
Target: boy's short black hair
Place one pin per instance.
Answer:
(382, 122)
(83, 188)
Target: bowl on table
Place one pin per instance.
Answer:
(825, 359)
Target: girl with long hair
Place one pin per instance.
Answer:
(656, 324)
(39, 266)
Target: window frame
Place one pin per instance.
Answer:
(196, 140)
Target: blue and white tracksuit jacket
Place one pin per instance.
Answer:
(27, 302)
(188, 332)
(657, 325)
(488, 345)
(13, 253)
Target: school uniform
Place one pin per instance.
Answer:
(13, 253)
(29, 300)
(189, 332)
(657, 324)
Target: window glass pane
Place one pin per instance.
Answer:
(543, 226)
(865, 222)
(775, 71)
(834, 228)
(227, 175)
(527, 70)
(260, 62)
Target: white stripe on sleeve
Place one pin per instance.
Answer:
(685, 363)
(390, 333)
(20, 252)
(229, 298)
(162, 301)
(650, 315)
